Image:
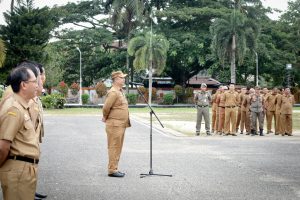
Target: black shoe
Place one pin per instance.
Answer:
(41, 196)
(117, 174)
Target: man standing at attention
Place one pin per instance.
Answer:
(116, 118)
(19, 142)
(231, 101)
(286, 112)
(202, 100)
(257, 112)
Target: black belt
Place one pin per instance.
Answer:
(25, 159)
(221, 107)
(230, 106)
(201, 106)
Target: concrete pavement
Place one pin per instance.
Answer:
(74, 159)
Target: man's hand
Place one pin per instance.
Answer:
(103, 119)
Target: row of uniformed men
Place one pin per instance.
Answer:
(21, 131)
(232, 110)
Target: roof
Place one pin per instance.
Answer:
(197, 80)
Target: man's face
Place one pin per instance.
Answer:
(243, 90)
(30, 86)
(120, 81)
(287, 91)
(203, 88)
(231, 87)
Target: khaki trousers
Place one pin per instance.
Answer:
(230, 118)
(115, 139)
(238, 118)
(245, 121)
(205, 113)
(214, 120)
(18, 180)
(286, 124)
(270, 116)
(277, 123)
(221, 119)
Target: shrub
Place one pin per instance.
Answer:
(74, 88)
(63, 88)
(101, 89)
(179, 91)
(1, 92)
(189, 92)
(132, 98)
(53, 101)
(168, 99)
(85, 98)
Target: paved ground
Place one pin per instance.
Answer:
(74, 159)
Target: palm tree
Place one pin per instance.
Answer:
(125, 17)
(12, 4)
(231, 38)
(2, 52)
(150, 52)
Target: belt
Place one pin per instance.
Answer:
(201, 106)
(230, 106)
(25, 159)
(221, 107)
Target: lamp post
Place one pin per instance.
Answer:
(80, 79)
(288, 68)
(256, 61)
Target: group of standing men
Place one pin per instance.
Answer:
(241, 110)
(21, 131)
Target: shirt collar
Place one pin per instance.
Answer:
(21, 101)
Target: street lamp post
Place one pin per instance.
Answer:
(288, 68)
(256, 61)
(80, 79)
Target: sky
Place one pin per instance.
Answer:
(5, 5)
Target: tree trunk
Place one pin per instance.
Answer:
(232, 65)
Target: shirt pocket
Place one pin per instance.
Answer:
(28, 132)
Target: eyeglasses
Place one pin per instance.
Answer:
(33, 81)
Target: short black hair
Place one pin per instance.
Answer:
(18, 75)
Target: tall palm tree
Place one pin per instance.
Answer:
(150, 52)
(12, 4)
(2, 52)
(232, 36)
(125, 17)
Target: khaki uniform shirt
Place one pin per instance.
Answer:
(115, 109)
(221, 100)
(202, 98)
(214, 101)
(8, 91)
(270, 102)
(256, 103)
(16, 126)
(278, 104)
(243, 98)
(231, 98)
(36, 111)
(287, 102)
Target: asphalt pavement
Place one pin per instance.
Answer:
(73, 164)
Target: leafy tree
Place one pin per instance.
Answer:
(2, 52)
(150, 51)
(26, 33)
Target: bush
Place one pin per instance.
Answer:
(168, 99)
(1, 92)
(85, 98)
(101, 89)
(132, 98)
(74, 88)
(179, 91)
(63, 88)
(53, 101)
(189, 92)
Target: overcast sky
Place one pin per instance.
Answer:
(5, 5)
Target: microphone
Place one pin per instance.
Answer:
(134, 83)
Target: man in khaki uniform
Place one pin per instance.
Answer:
(221, 109)
(270, 102)
(257, 113)
(19, 142)
(231, 101)
(277, 112)
(214, 110)
(241, 93)
(116, 117)
(244, 122)
(286, 113)
(202, 100)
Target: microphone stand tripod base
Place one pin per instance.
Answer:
(152, 174)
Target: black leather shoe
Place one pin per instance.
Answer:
(40, 196)
(117, 174)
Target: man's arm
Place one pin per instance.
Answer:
(4, 150)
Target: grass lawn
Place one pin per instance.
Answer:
(169, 116)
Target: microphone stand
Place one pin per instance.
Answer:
(151, 114)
